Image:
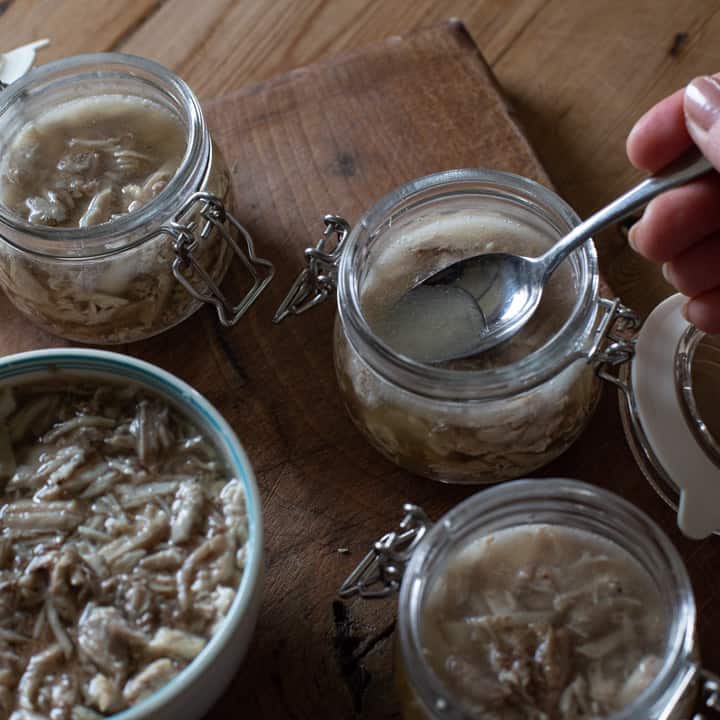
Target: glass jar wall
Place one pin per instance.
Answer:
(490, 418)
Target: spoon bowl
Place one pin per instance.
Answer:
(506, 288)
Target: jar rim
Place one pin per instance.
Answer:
(94, 237)
(566, 345)
(516, 499)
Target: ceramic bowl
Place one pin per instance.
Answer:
(191, 693)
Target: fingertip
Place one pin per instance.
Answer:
(660, 135)
(644, 239)
(635, 143)
(650, 238)
(667, 273)
(631, 237)
(678, 219)
(684, 312)
(704, 312)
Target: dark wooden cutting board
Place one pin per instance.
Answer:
(335, 137)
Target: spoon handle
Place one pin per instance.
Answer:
(686, 168)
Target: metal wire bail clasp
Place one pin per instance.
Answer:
(379, 573)
(614, 339)
(699, 682)
(709, 695)
(188, 236)
(318, 280)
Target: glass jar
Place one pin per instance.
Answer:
(459, 424)
(421, 553)
(669, 399)
(143, 272)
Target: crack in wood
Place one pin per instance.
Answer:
(350, 650)
(354, 674)
(678, 43)
(377, 639)
(230, 355)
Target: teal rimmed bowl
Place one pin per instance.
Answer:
(191, 693)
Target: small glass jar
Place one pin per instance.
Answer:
(456, 424)
(669, 405)
(420, 554)
(143, 272)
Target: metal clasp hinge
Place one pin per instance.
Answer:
(614, 339)
(709, 694)
(318, 279)
(186, 240)
(708, 697)
(379, 573)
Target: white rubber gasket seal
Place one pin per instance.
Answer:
(662, 419)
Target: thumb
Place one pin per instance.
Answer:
(702, 116)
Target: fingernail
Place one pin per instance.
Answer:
(631, 237)
(702, 104)
(667, 273)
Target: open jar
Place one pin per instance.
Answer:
(156, 238)
(538, 600)
(511, 410)
(502, 414)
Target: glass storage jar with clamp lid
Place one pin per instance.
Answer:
(511, 410)
(532, 600)
(499, 415)
(114, 220)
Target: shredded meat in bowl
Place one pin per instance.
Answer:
(122, 539)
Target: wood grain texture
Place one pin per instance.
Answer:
(220, 45)
(330, 138)
(74, 26)
(578, 73)
(579, 76)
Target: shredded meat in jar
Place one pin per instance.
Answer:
(121, 545)
(544, 622)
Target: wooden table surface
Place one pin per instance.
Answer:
(578, 74)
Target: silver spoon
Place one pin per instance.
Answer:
(495, 294)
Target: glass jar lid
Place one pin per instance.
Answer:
(670, 417)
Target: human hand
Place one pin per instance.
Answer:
(681, 228)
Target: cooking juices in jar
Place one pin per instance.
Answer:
(433, 243)
(505, 412)
(100, 153)
(89, 161)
